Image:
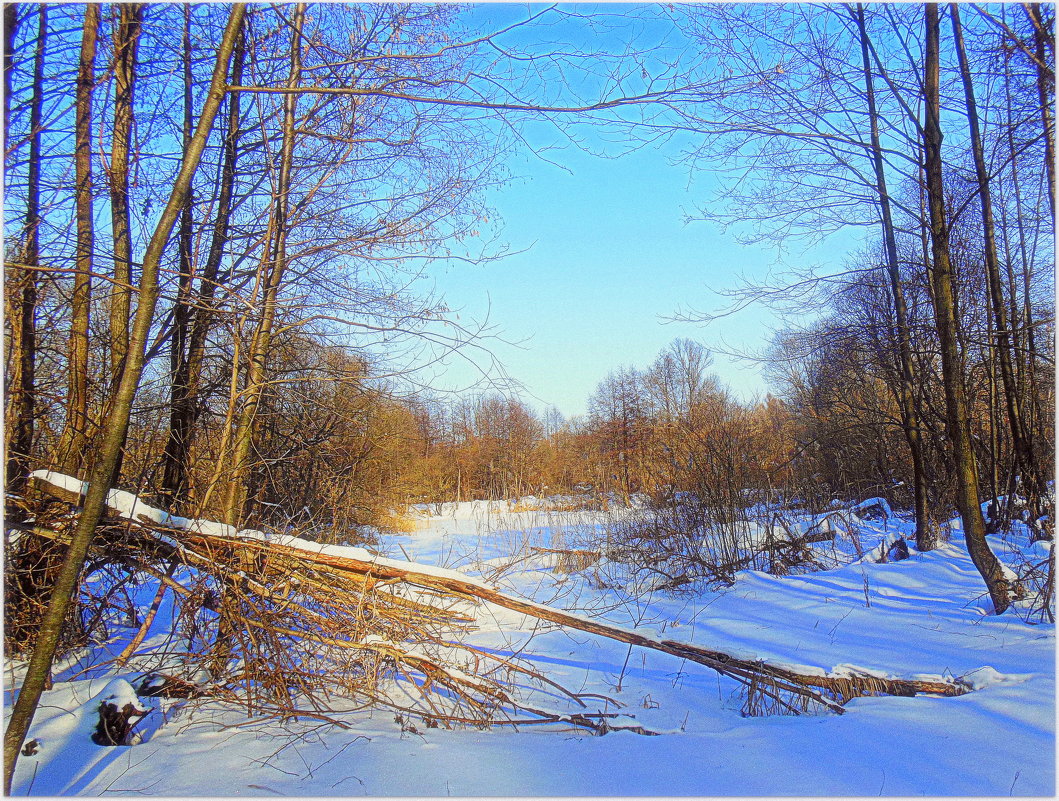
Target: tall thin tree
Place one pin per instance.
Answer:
(926, 536)
(1020, 442)
(20, 413)
(126, 44)
(1044, 39)
(274, 268)
(944, 296)
(117, 423)
(185, 403)
(72, 447)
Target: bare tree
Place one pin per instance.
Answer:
(926, 534)
(185, 402)
(126, 44)
(116, 427)
(273, 266)
(943, 284)
(21, 292)
(72, 447)
(1019, 436)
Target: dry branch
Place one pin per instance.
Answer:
(298, 591)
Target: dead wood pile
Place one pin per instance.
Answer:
(282, 625)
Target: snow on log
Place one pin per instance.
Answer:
(873, 507)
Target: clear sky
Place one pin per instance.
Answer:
(607, 258)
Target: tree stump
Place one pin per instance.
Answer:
(119, 711)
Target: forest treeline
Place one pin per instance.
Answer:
(212, 262)
(262, 307)
(218, 219)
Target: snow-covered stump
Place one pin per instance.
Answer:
(119, 712)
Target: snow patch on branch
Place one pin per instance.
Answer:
(131, 507)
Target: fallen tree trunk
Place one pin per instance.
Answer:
(188, 540)
(843, 687)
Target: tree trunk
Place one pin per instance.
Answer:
(1020, 443)
(184, 395)
(1045, 89)
(926, 536)
(10, 32)
(72, 447)
(1023, 338)
(117, 423)
(941, 278)
(172, 474)
(273, 277)
(185, 245)
(1046, 93)
(21, 401)
(126, 43)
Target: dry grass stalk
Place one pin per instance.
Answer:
(570, 560)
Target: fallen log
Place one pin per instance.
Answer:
(775, 682)
(845, 686)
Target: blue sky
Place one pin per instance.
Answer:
(607, 258)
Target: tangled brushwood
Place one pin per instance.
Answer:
(286, 627)
(283, 626)
(686, 540)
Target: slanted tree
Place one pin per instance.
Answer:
(116, 426)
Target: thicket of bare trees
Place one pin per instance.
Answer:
(665, 429)
(217, 225)
(932, 129)
(218, 219)
(352, 147)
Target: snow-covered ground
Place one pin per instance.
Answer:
(926, 616)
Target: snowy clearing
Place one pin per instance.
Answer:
(924, 617)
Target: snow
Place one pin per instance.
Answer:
(873, 506)
(926, 617)
(120, 694)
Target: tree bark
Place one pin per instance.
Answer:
(117, 424)
(926, 534)
(943, 284)
(73, 443)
